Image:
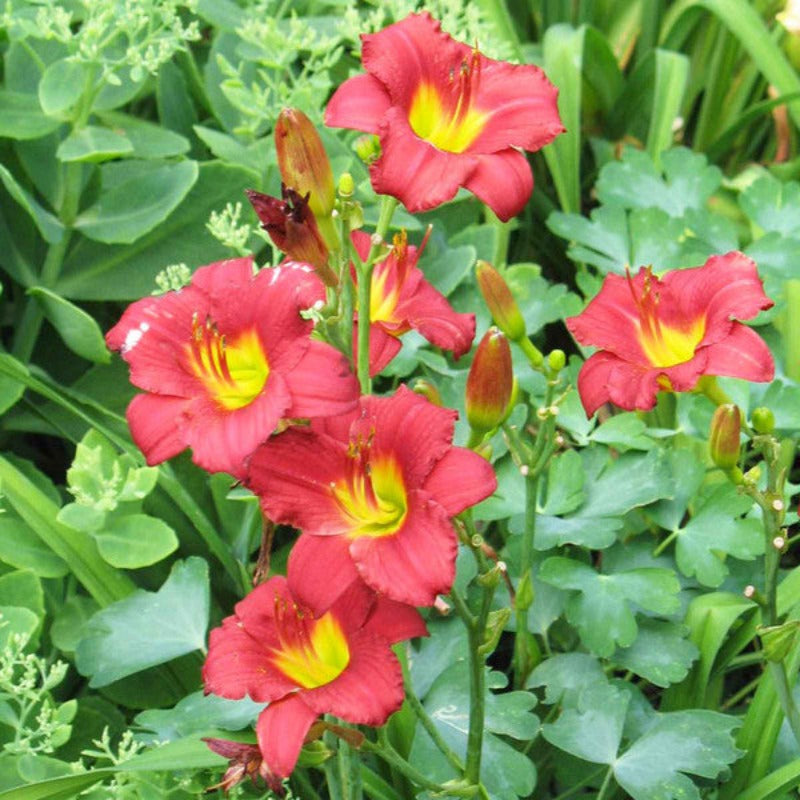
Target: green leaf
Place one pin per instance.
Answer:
(714, 531)
(445, 267)
(137, 203)
(565, 479)
(506, 773)
(135, 540)
(21, 116)
(61, 86)
(94, 144)
(255, 157)
(100, 272)
(49, 226)
(147, 628)
(197, 714)
(661, 653)
(623, 432)
(22, 588)
(148, 139)
(21, 548)
(540, 301)
(773, 205)
(697, 742)
(79, 331)
(671, 73)
(16, 620)
(593, 730)
(596, 534)
(601, 609)
(776, 785)
(70, 617)
(64, 788)
(566, 675)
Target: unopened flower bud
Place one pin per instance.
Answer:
(753, 475)
(723, 441)
(428, 390)
(763, 420)
(501, 303)
(303, 162)
(368, 148)
(489, 383)
(346, 185)
(556, 360)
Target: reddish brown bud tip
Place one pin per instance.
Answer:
(490, 382)
(723, 441)
(502, 305)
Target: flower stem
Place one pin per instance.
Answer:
(385, 750)
(606, 783)
(388, 206)
(431, 729)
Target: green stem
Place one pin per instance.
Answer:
(432, 731)
(388, 205)
(663, 545)
(578, 786)
(522, 638)
(502, 237)
(606, 783)
(394, 759)
(778, 672)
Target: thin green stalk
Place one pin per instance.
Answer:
(665, 543)
(606, 784)
(778, 672)
(385, 750)
(522, 639)
(432, 731)
(364, 269)
(578, 786)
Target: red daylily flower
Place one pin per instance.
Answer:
(401, 299)
(373, 492)
(224, 359)
(664, 333)
(306, 660)
(446, 116)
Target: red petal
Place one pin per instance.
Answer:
(503, 181)
(414, 171)
(521, 104)
(320, 570)
(460, 480)
(292, 474)
(359, 104)
(383, 347)
(221, 440)
(593, 380)
(321, 384)
(369, 689)
(224, 277)
(743, 354)
(410, 52)
(395, 621)
(415, 564)
(281, 729)
(412, 429)
(156, 426)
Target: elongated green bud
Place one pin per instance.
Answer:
(490, 383)
(428, 390)
(501, 303)
(723, 441)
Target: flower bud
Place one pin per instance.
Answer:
(428, 390)
(723, 440)
(763, 420)
(489, 383)
(502, 305)
(303, 162)
(556, 360)
(368, 148)
(346, 185)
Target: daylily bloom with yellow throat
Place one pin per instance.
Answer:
(373, 492)
(224, 359)
(446, 116)
(306, 660)
(665, 333)
(401, 299)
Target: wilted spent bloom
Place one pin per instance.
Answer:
(723, 440)
(244, 761)
(293, 229)
(304, 167)
(500, 302)
(490, 383)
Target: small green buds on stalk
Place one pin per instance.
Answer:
(304, 167)
(723, 441)
(490, 383)
(501, 303)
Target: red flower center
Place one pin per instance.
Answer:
(449, 119)
(233, 371)
(372, 494)
(311, 652)
(664, 345)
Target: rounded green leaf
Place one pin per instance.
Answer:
(94, 144)
(61, 86)
(80, 332)
(136, 204)
(136, 540)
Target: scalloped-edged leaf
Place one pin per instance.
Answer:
(565, 675)
(661, 653)
(147, 628)
(773, 205)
